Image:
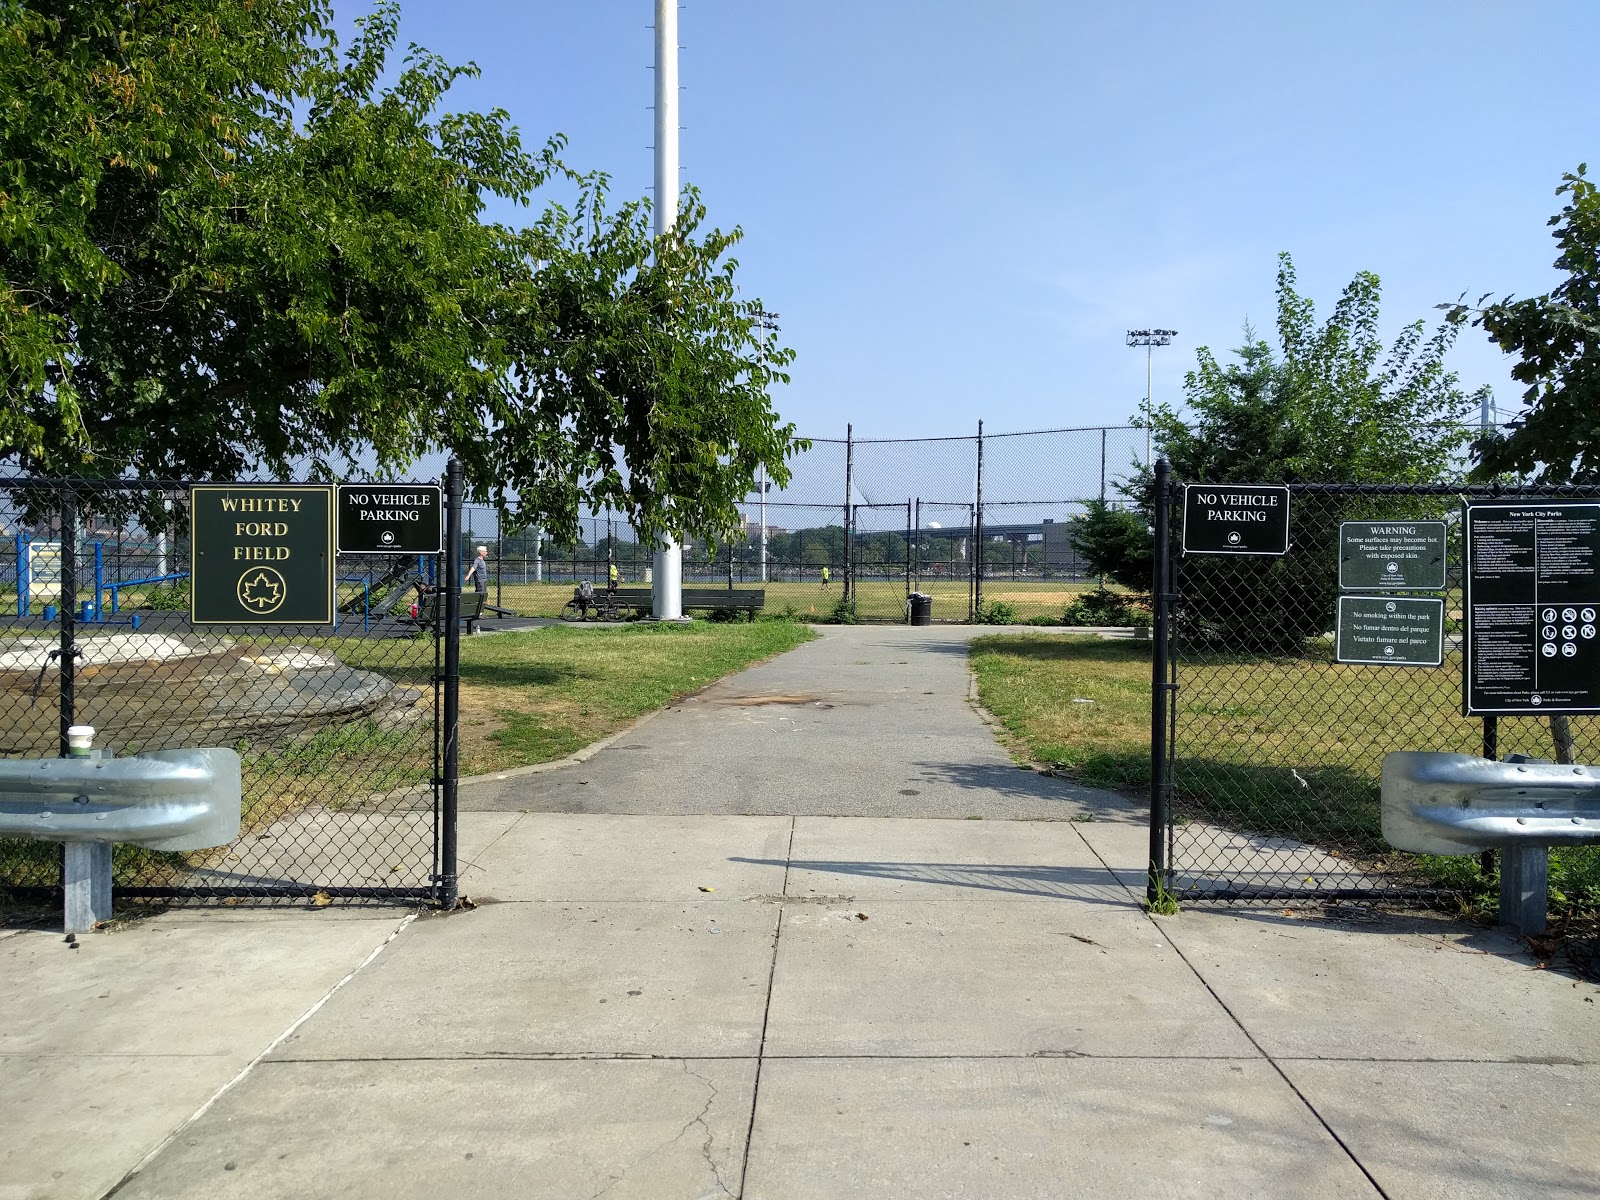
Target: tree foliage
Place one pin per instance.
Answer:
(1328, 404)
(225, 247)
(1557, 340)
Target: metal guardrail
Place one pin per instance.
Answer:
(1436, 803)
(161, 800)
(1456, 804)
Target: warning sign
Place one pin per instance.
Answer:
(261, 554)
(1392, 556)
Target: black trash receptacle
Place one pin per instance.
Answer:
(920, 605)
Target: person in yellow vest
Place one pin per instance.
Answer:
(825, 577)
(611, 579)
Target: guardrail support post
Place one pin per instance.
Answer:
(1524, 888)
(87, 889)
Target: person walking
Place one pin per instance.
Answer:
(612, 578)
(478, 572)
(825, 578)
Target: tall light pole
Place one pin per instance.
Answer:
(666, 595)
(764, 320)
(1149, 339)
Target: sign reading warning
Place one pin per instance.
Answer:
(1380, 556)
(261, 554)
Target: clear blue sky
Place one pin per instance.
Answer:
(959, 208)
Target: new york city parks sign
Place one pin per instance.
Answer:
(1235, 518)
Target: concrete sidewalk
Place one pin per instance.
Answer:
(797, 1005)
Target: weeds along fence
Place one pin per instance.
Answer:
(981, 523)
(1268, 786)
(339, 723)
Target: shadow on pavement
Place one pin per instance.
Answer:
(1092, 885)
(1009, 779)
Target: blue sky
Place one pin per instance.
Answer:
(959, 208)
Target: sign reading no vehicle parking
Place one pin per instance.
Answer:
(1234, 518)
(389, 518)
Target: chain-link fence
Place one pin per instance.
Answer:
(1274, 747)
(983, 524)
(338, 723)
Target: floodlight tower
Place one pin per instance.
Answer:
(764, 320)
(1149, 339)
(666, 596)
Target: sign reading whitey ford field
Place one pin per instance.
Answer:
(261, 554)
(1387, 556)
(1533, 608)
(390, 518)
(1235, 518)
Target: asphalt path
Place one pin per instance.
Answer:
(866, 721)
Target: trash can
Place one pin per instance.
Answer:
(920, 607)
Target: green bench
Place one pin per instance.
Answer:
(749, 600)
(472, 605)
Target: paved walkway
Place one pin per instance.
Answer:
(797, 1005)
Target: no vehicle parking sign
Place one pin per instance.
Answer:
(1235, 518)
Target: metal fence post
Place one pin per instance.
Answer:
(977, 536)
(68, 601)
(448, 881)
(849, 470)
(909, 539)
(1161, 585)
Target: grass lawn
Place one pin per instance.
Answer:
(1281, 747)
(539, 695)
(876, 599)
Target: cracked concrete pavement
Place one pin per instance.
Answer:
(652, 1002)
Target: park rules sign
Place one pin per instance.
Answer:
(389, 518)
(1234, 518)
(261, 554)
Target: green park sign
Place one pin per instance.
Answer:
(261, 554)
(1392, 556)
(1391, 631)
(1235, 518)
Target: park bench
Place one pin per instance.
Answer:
(472, 605)
(749, 600)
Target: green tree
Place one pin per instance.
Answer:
(1115, 542)
(1329, 404)
(224, 247)
(1557, 340)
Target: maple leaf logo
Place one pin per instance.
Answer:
(262, 590)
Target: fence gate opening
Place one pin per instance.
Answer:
(1284, 674)
(170, 615)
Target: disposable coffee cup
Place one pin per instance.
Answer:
(80, 740)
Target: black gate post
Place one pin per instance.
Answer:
(849, 471)
(977, 535)
(448, 882)
(69, 613)
(1159, 691)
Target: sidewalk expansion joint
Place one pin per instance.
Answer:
(1273, 1062)
(766, 1015)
